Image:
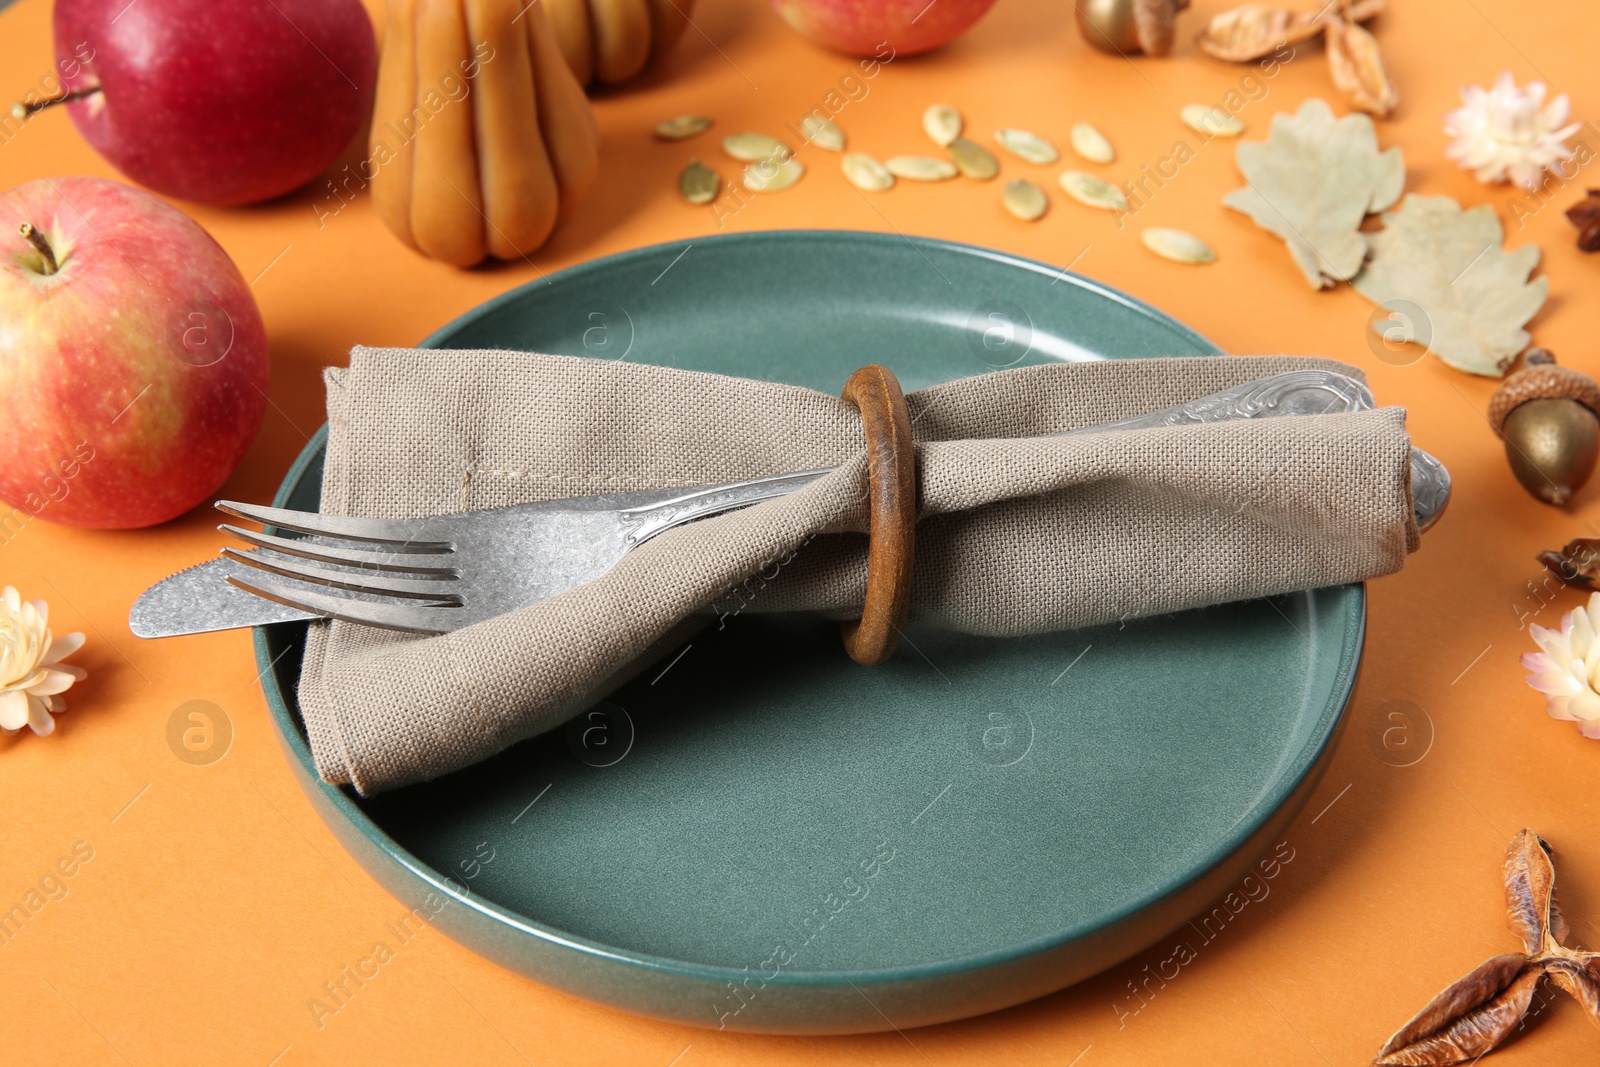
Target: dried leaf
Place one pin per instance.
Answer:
(1312, 182)
(1357, 67)
(1253, 31)
(1579, 974)
(1473, 296)
(1530, 894)
(1469, 1018)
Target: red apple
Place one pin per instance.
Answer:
(862, 27)
(133, 362)
(218, 101)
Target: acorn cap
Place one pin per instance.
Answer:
(1541, 379)
(1154, 22)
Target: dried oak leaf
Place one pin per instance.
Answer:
(1312, 182)
(1469, 1018)
(1253, 31)
(1469, 297)
(1357, 67)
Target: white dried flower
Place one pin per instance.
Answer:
(32, 676)
(1567, 672)
(1509, 134)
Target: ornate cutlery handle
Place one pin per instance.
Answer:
(1299, 392)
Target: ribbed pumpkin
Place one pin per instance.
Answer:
(481, 136)
(610, 41)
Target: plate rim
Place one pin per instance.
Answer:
(1262, 808)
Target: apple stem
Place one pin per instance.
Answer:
(36, 239)
(22, 112)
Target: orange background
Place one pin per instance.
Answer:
(215, 904)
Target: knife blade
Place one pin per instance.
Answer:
(201, 600)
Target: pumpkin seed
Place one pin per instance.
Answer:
(699, 183)
(772, 175)
(943, 123)
(753, 147)
(1179, 246)
(921, 168)
(864, 172)
(1095, 192)
(1091, 144)
(823, 133)
(682, 127)
(1211, 121)
(1027, 146)
(973, 160)
(1024, 199)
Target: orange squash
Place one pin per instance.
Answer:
(610, 41)
(481, 137)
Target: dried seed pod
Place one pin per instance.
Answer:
(1254, 31)
(1357, 67)
(1578, 561)
(1585, 215)
(1549, 418)
(1129, 26)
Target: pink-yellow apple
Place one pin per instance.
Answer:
(864, 27)
(133, 362)
(219, 101)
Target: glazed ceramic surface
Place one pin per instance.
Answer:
(762, 835)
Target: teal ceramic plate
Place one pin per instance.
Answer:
(760, 834)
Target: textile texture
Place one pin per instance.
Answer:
(1021, 531)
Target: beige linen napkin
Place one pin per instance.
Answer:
(1021, 532)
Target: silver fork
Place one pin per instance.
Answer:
(437, 574)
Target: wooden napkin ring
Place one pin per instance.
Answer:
(892, 489)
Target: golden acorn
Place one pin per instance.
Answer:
(1128, 27)
(1549, 418)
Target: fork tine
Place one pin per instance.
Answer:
(420, 589)
(348, 557)
(409, 618)
(377, 531)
